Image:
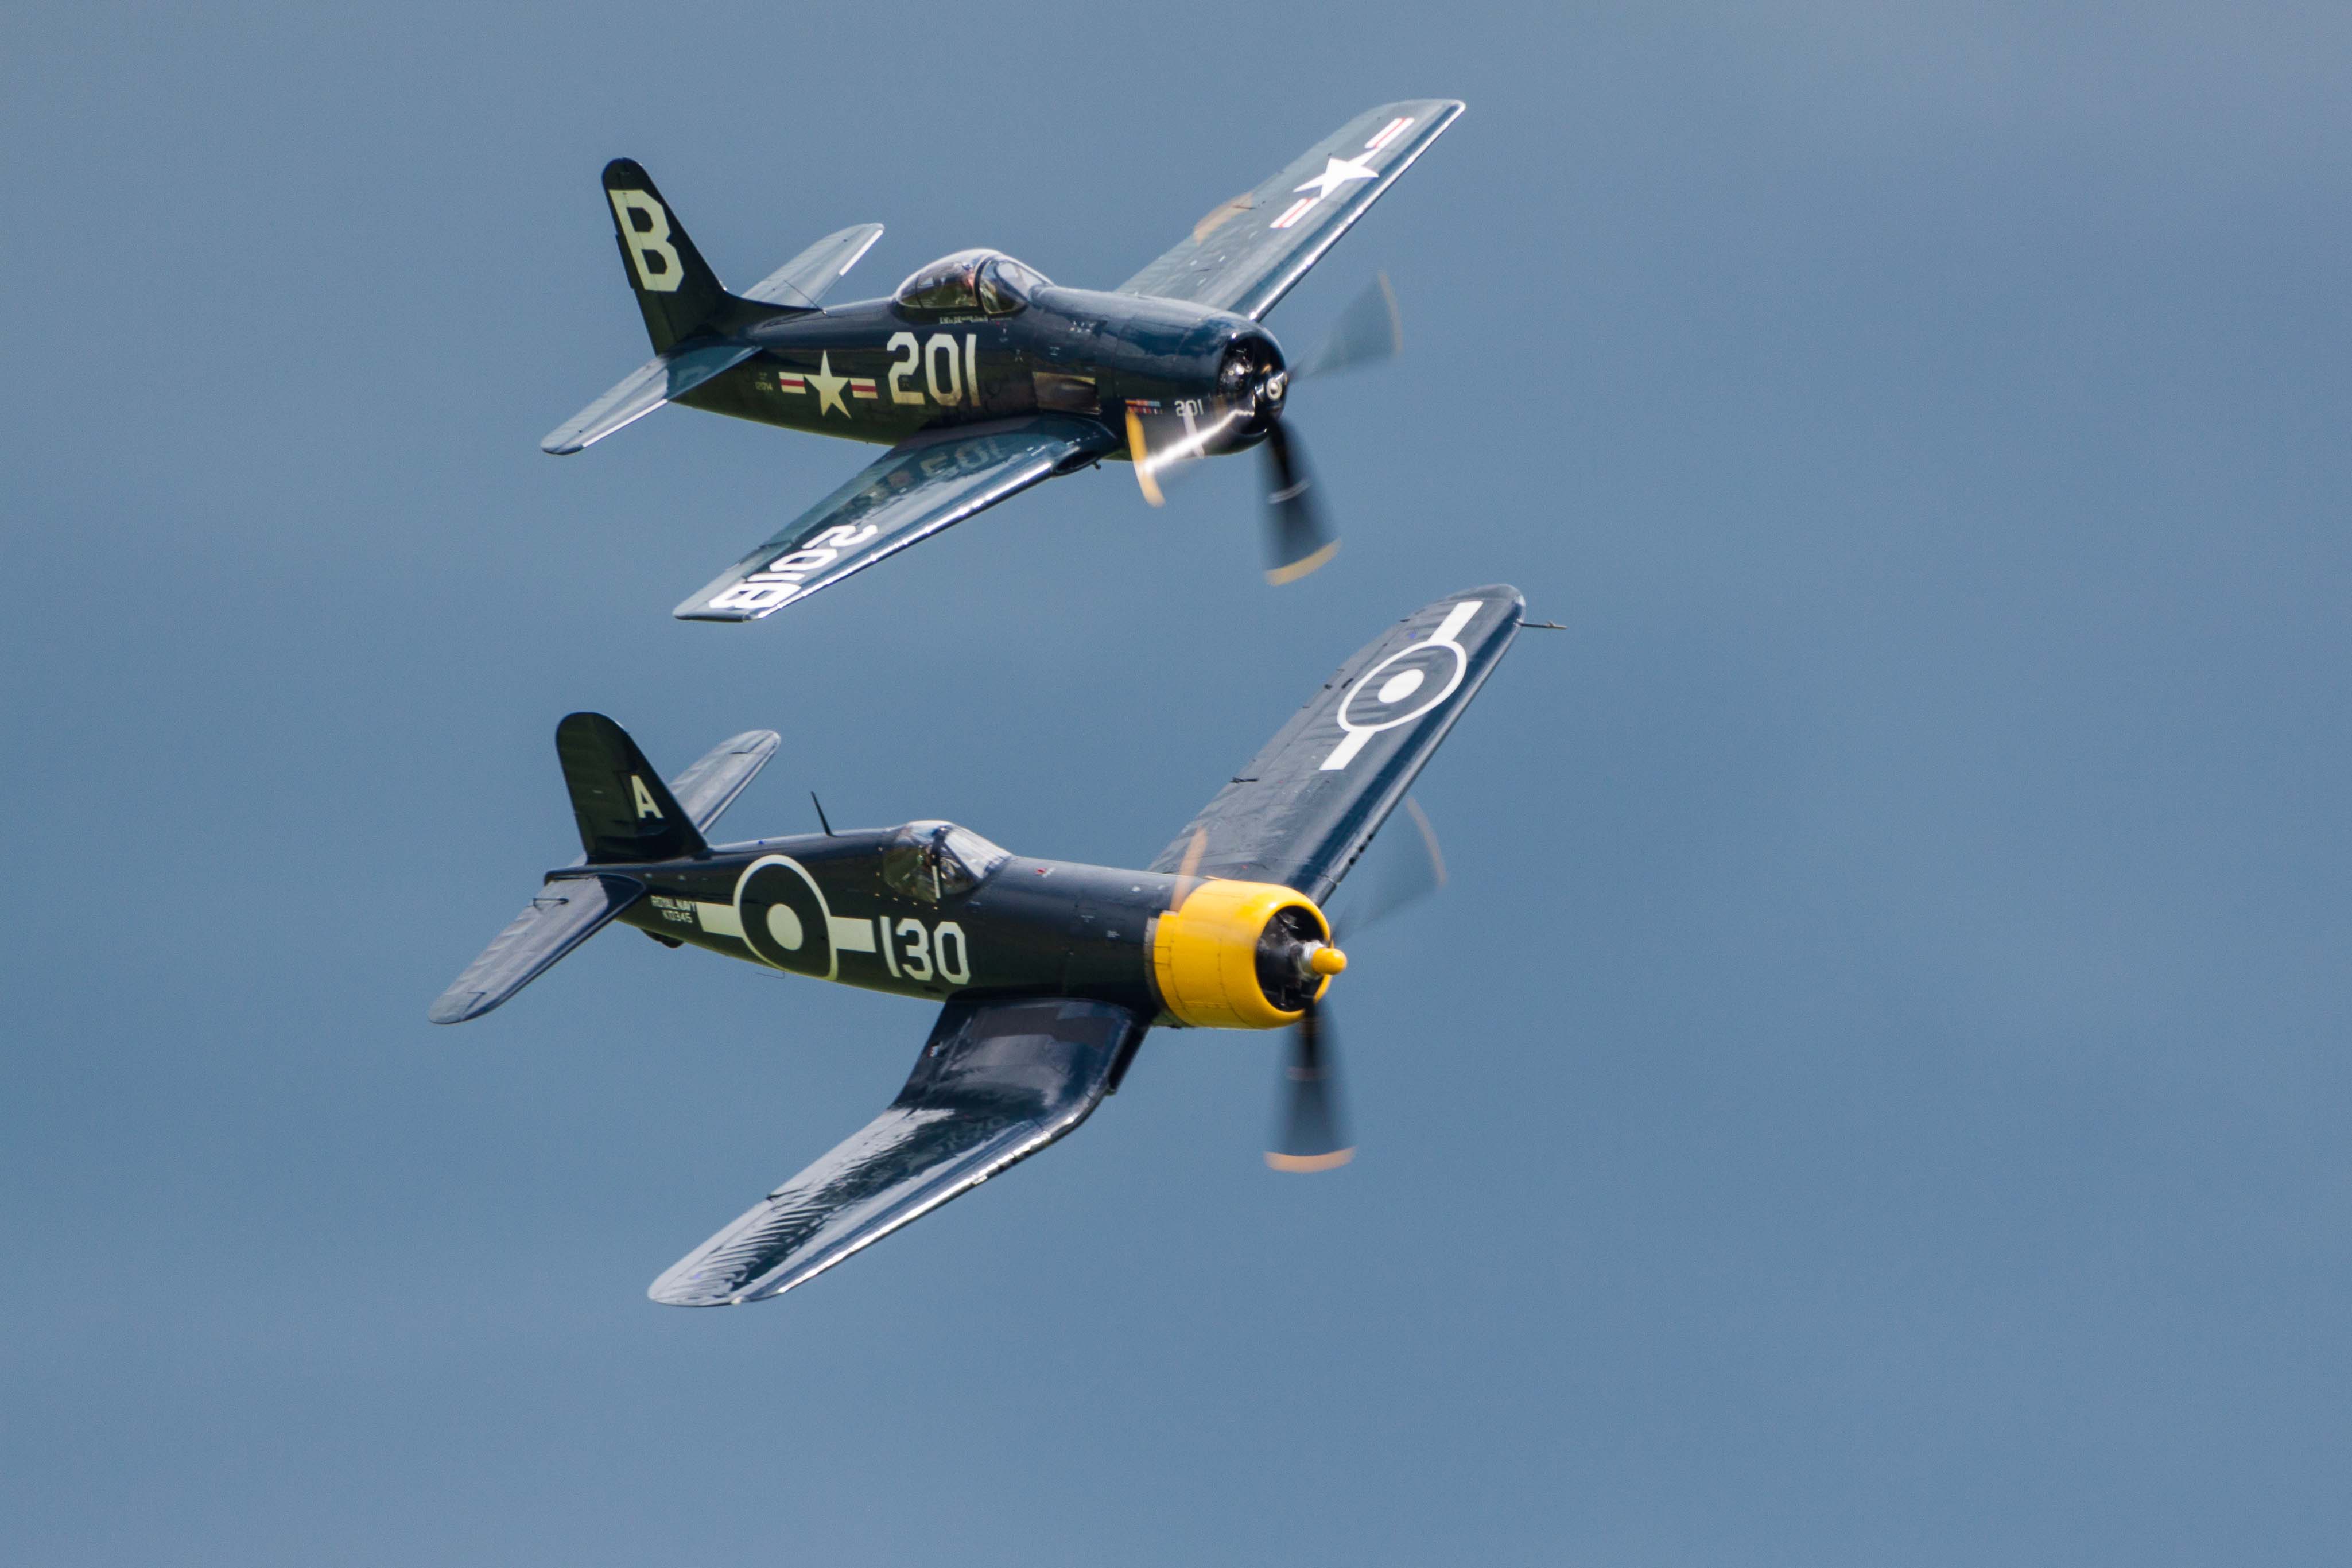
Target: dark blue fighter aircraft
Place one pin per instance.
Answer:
(1046, 974)
(983, 377)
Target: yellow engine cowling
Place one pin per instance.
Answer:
(1204, 954)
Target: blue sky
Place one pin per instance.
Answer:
(1874, 1090)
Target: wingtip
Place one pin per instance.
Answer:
(674, 1298)
(457, 1008)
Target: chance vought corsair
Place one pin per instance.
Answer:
(1048, 974)
(983, 377)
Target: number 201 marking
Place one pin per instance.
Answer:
(961, 360)
(778, 581)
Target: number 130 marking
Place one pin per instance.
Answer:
(910, 949)
(961, 360)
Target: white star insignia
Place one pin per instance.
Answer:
(1336, 172)
(828, 387)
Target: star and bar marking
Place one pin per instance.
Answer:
(829, 388)
(1340, 171)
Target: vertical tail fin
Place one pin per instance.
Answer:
(675, 286)
(627, 814)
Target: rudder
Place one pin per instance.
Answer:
(626, 814)
(675, 286)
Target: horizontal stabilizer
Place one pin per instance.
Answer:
(645, 389)
(626, 813)
(711, 784)
(808, 277)
(567, 912)
(996, 1082)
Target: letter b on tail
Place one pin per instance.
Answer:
(644, 223)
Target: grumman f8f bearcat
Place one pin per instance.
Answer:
(1050, 972)
(984, 378)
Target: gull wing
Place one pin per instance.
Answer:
(996, 1082)
(1246, 254)
(1308, 804)
(925, 483)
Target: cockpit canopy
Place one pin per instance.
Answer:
(935, 860)
(970, 282)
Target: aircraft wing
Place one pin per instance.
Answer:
(996, 1082)
(1308, 804)
(1246, 254)
(925, 483)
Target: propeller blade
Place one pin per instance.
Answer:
(1369, 330)
(1138, 452)
(1161, 443)
(1298, 540)
(1188, 874)
(1310, 1138)
(1403, 866)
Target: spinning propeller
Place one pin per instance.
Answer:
(1310, 1136)
(1252, 386)
(1293, 962)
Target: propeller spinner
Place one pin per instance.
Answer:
(1253, 386)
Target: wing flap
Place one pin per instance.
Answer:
(996, 1082)
(918, 487)
(806, 278)
(642, 390)
(567, 912)
(1308, 802)
(1246, 254)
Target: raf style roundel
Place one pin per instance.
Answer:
(1415, 679)
(1402, 687)
(784, 917)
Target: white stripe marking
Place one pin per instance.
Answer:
(851, 935)
(1345, 752)
(1455, 619)
(720, 919)
(1389, 132)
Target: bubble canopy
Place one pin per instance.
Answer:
(971, 280)
(932, 860)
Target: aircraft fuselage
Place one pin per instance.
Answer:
(875, 371)
(819, 906)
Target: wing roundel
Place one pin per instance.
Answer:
(1308, 802)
